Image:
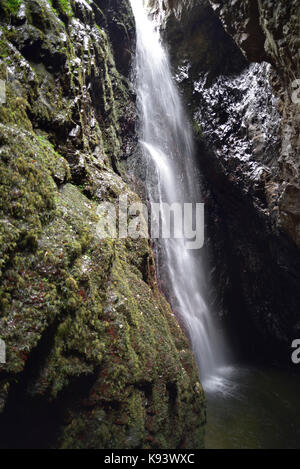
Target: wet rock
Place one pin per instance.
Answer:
(242, 21)
(247, 127)
(61, 172)
(92, 346)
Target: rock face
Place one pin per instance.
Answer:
(237, 63)
(95, 358)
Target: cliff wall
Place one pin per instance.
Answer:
(95, 358)
(237, 63)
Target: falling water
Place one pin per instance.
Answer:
(167, 144)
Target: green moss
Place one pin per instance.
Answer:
(62, 7)
(197, 130)
(4, 51)
(95, 302)
(12, 5)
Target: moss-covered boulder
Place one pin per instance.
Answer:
(95, 358)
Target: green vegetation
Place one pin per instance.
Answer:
(62, 7)
(12, 5)
(96, 301)
(197, 130)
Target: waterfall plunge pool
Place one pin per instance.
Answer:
(253, 408)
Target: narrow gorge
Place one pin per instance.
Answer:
(130, 342)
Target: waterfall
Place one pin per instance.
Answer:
(172, 177)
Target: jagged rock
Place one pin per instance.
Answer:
(241, 20)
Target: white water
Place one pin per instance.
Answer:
(167, 144)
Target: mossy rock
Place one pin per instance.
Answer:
(92, 345)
